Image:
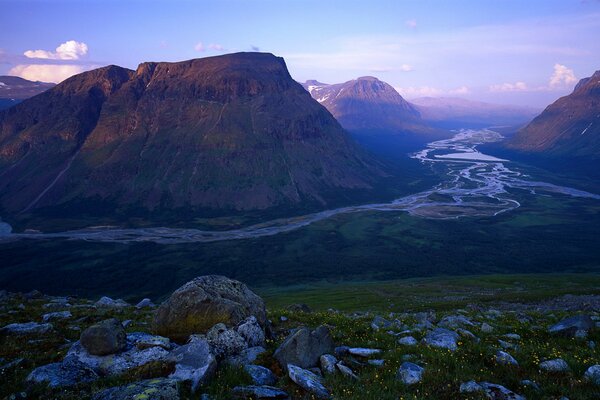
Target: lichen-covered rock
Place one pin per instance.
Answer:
(252, 332)
(143, 340)
(503, 358)
(556, 365)
(258, 392)
(380, 323)
(145, 303)
(442, 338)
(204, 302)
(363, 351)
(455, 321)
(346, 371)
(308, 381)
(303, 347)
(470, 387)
(194, 362)
(151, 389)
(225, 342)
(486, 328)
(410, 373)
(69, 372)
(105, 337)
(328, 363)
(260, 375)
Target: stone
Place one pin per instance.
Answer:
(283, 318)
(408, 341)
(225, 342)
(56, 315)
(107, 302)
(252, 332)
(568, 326)
(204, 302)
(143, 340)
(260, 375)
(410, 373)
(363, 352)
(308, 381)
(380, 323)
(328, 362)
(300, 307)
(531, 384)
(246, 356)
(592, 374)
(499, 392)
(581, 334)
(442, 338)
(471, 387)
(303, 347)
(512, 336)
(69, 372)
(151, 389)
(467, 334)
(346, 371)
(145, 303)
(455, 321)
(376, 362)
(27, 328)
(486, 328)
(105, 337)
(341, 351)
(556, 365)
(503, 358)
(5, 368)
(507, 345)
(194, 362)
(259, 392)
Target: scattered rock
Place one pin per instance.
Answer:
(486, 328)
(194, 362)
(145, 303)
(341, 351)
(408, 341)
(569, 326)
(225, 342)
(303, 348)
(455, 321)
(442, 338)
(363, 352)
(252, 332)
(471, 387)
(512, 336)
(259, 392)
(499, 392)
(346, 371)
(143, 341)
(246, 356)
(592, 374)
(107, 302)
(103, 338)
(376, 363)
(410, 373)
(380, 323)
(467, 334)
(69, 372)
(503, 358)
(152, 389)
(531, 384)
(204, 302)
(507, 345)
(328, 362)
(56, 315)
(556, 365)
(260, 375)
(581, 334)
(308, 381)
(300, 307)
(27, 328)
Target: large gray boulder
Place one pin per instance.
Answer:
(194, 362)
(152, 389)
(303, 347)
(69, 372)
(105, 337)
(569, 326)
(204, 302)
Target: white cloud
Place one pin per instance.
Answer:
(562, 76)
(460, 90)
(70, 50)
(509, 87)
(46, 72)
(421, 91)
(215, 46)
(411, 23)
(199, 47)
(406, 67)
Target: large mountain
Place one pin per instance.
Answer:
(227, 132)
(569, 127)
(368, 105)
(452, 112)
(13, 90)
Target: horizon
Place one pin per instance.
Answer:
(508, 53)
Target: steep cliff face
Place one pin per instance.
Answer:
(226, 132)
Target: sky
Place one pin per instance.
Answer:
(511, 52)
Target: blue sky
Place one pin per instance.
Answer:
(519, 52)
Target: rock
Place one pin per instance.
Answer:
(300, 307)
(303, 348)
(328, 362)
(252, 332)
(246, 356)
(376, 363)
(34, 294)
(380, 323)
(27, 328)
(4, 369)
(346, 371)
(151, 389)
(259, 392)
(283, 318)
(507, 345)
(194, 362)
(143, 340)
(69, 372)
(467, 334)
(225, 342)
(308, 381)
(499, 392)
(592, 374)
(126, 323)
(442, 338)
(145, 303)
(260, 375)
(569, 326)
(408, 341)
(204, 302)
(107, 302)
(410, 373)
(103, 338)
(455, 321)
(56, 315)
(512, 336)
(486, 328)
(581, 334)
(503, 358)
(471, 387)
(363, 352)
(556, 365)
(341, 351)
(531, 384)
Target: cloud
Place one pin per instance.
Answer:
(562, 76)
(411, 23)
(406, 67)
(47, 72)
(254, 48)
(509, 87)
(460, 90)
(200, 47)
(429, 91)
(70, 50)
(216, 46)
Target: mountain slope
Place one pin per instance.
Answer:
(569, 127)
(13, 90)
(228, 132)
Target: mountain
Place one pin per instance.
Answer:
(368, 105)
(452, 112)
(232, 132)
(13, 90)
(569, 127)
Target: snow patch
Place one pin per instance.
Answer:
(588, 127)
(475, 155)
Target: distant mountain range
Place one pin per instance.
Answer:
(13, 90)
(232, 132)
(452, 112)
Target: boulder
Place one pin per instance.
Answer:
(455, 321)
(246, 356)
(346, 371)
(380, 323)
(376, 362)
(308, 381)
(145, 303)
(258, 392)
(503, 358)
(107, 302)
(105, 337)
(69, 372)
(328, 363)
(225, 342)
(407, 341)
(194, 362)
(592, 374)
(151, 389)
(260, 375)
(204, 302)
(499, 392)
(363, 352)
(410, 373)
(303, 347)
(143, 340)
(569, 326)
(442, 338)
(56, 315)
(556, 365)
(470, 387)
(486, 328)
(252, 332)
(27, 328)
